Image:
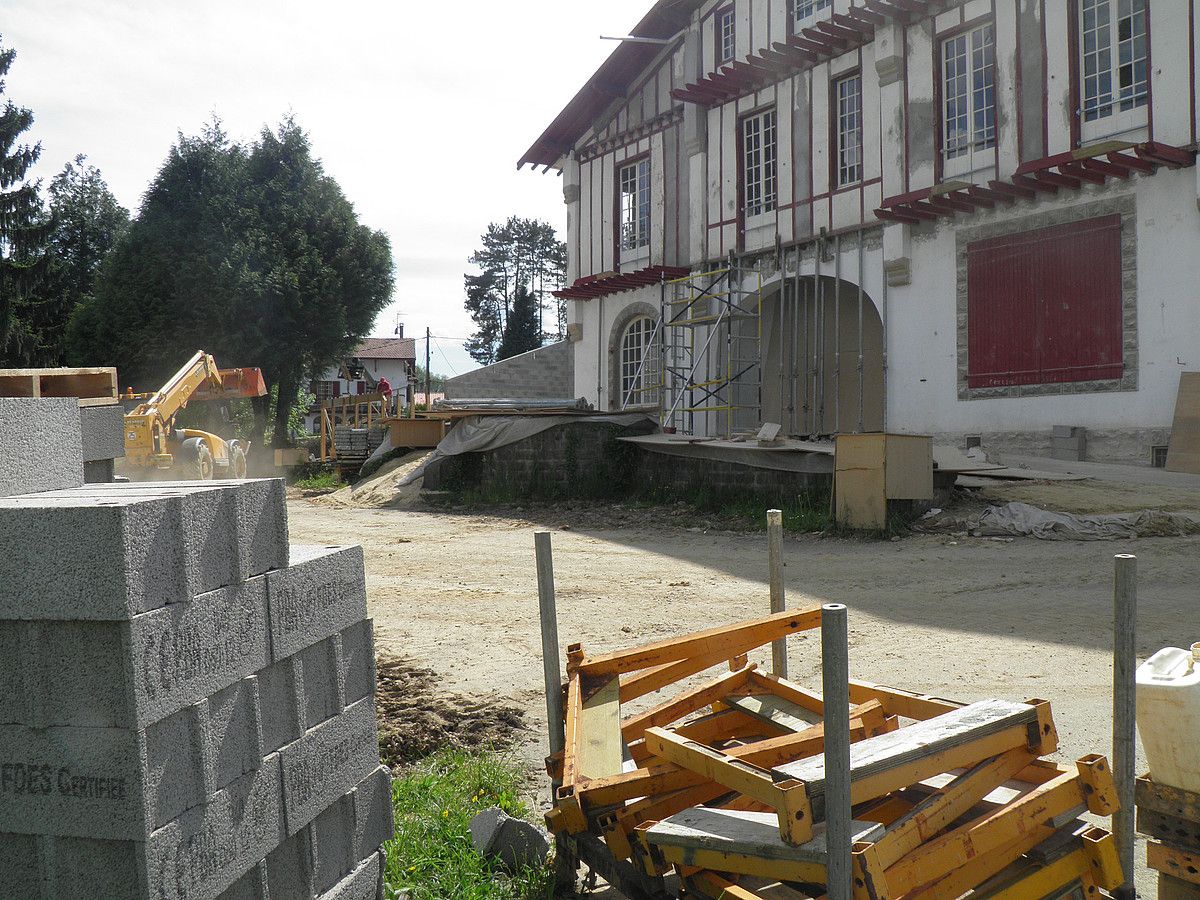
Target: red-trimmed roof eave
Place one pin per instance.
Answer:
(614, 77)
(1062, 171)
(591, 286)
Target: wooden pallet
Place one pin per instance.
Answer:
(1171, 817)
(92, 387)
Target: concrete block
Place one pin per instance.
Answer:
(102, 432)
(84, 867)
(373, 815)
(72, 558)
(358, 661)
(99, 471)
(75, 782)
(175, 765)
(364, 883)
(321, 592)
(251, 886)
(20, 869)
(40, 444)
(328, 761)
(76, 673)
(187, 651)
(281, 703)
(324, 693)
(289, 867)
(516, 843)
(209, 848)
(333, 844)
(232, 734)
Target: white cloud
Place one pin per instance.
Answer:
(419, 110)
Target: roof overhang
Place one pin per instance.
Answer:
(610, 82)
(605, 283)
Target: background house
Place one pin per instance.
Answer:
(376, 357)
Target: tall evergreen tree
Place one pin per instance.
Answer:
(23, 226)
(522, 332)
(520, 253)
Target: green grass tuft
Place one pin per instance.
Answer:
(431, 856)
(318, 480)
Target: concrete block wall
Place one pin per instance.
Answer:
(186, 703)
(547, 373)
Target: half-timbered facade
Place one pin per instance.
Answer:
(956, 217)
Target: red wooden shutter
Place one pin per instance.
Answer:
(1044, 306)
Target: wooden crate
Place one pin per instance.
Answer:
(417, 432)
(92, 387)
(871, 469)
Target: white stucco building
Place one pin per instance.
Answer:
(971, 218)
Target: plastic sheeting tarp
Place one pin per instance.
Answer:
(479, 433)
(1021, 519)
(786, 456)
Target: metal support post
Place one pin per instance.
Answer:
(835, 682)
(779, 662)
(1124, 759)
(548, 614)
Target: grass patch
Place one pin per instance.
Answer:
(318, 479)
(431, 856)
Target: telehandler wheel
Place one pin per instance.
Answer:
(201, 467)
(237, 463)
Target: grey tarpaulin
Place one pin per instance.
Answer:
(1024, 520)
(479, 433)
(785, 456)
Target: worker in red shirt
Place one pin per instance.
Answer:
(385, 388)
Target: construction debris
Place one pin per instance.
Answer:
(721, 789)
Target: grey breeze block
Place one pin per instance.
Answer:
(110, 552)
(232, 847)
(102, 430)
(41, 447)
(322, 591)
(121, 783)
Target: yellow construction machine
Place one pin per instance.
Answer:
(154, 444)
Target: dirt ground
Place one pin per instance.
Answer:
(454, 591)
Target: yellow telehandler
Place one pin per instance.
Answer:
(152, 442)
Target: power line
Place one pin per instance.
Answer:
(446, 360)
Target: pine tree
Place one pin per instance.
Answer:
(24, 227)
(521, 332)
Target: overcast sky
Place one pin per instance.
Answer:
(419, 110)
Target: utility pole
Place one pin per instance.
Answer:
(428, 381)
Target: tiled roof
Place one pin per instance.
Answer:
(387, 348)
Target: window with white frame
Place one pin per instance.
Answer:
(639, 363)
(758, 163)
(1114, 66)
(634, 180)
(848, 112)
(804, 11)
(969, 99)
(726, 35)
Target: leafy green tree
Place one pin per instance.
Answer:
(522, 331)
(249, 252)
(520, 253)
(23, 228)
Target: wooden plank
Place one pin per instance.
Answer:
(618, 826)
(787, 798)
(1042, 881)
(1183, 450)
(573, 746)
(600, 732)
(775, 710)
(714, 728)
(676, 708)
(1174, 862)
(734, 639)
(1172, 888)
(656, 678)
(790, 691)
(1171, 829)
(897, 702)
(890, 761)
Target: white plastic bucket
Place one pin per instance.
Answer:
(1168, 716)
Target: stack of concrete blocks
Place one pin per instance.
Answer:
(1069, 443)
(54, 442)
(102, 428)
(186, 705)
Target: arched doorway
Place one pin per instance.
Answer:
(823, 358)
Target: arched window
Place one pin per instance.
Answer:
(639, 363)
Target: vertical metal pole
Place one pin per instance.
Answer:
(779, 663)
(837, 334)
(548, 614)
(799, 357)
(1124, 708)
(428, 381)
(862, 239)
(883, 327)
(818, 342)
(835, 682)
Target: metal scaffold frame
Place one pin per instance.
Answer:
(709, 351)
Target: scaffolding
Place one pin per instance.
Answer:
(709, 356)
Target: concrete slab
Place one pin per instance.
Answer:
(102, 432)
(41, 448)
(322, 591)
(328, 761)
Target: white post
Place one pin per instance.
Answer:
(779, 663)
